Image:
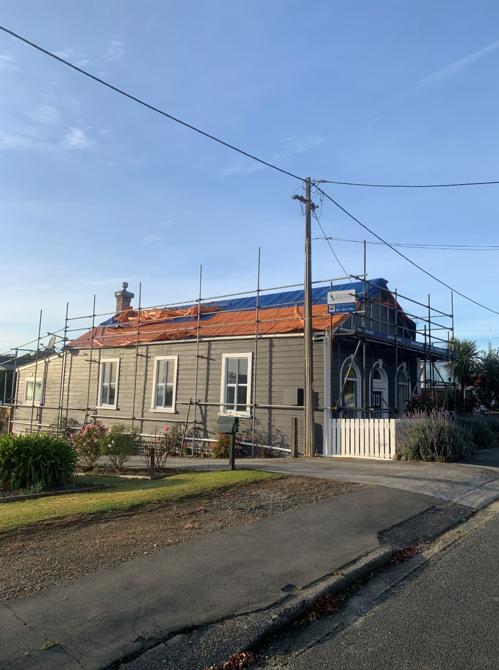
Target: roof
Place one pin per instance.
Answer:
(278, 314)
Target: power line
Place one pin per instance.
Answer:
(148, 105)
(409, 260)
(367, 185)
(330, 245)
(423, 245)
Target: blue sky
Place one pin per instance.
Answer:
(95, 190)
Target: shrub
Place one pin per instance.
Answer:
(479, 431)
(118, 444)
(162, 446)
(35, 461)
(89, 442)
(432, 437)
(65, 425)
(418, 404)
(220, 448)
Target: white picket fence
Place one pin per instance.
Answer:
(361, 438)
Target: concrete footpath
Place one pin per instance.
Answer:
(117, 613)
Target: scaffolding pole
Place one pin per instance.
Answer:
(255, 362)
(63, 370)
(36, 370)
(196, 374)
(89, 381)
(136, 363)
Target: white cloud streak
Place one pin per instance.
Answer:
(455, 67)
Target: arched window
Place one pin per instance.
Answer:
(350, 382)
(403, 388)
(378, 384)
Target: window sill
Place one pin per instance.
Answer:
(107, 407)
(163, 410)
(242, 415)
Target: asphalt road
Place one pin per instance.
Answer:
(445, 617)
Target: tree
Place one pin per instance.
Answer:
(466, 364)
(487, 379)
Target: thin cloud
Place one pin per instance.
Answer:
(47, 115)
(76, 57)
(8, 63)
(298, 144)
(114, 51)
(76, 139)
(457, 66)
(150, 239)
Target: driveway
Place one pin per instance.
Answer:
(474, 483)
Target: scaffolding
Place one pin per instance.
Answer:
(432, 339)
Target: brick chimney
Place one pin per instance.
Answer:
(123, 298)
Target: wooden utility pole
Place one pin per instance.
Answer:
(308, 431)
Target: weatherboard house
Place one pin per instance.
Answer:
(242, 356)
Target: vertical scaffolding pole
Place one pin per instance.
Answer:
(13, 394)
(396, 399)
(255, 362)
(364, 345)
(90, 362)
(63, 370)
(136, 366)
(432, 376)
(36, 370)
(196, 374)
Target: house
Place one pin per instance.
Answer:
(243, 356)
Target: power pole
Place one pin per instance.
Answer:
(307, 323)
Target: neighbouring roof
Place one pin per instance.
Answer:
(278, 314)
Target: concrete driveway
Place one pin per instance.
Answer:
(474, 483)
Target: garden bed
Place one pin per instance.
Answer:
(43, 555)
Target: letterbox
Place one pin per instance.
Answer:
(228, 424)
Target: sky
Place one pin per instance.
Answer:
(95, 190)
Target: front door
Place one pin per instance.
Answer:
(379, 392)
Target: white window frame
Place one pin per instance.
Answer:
(32, 380)
(100, 405)
(358, 396)
(230, 412)
(172, 409)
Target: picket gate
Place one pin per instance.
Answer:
(361, 438)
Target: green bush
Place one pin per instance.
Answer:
(479, 430)
(35, 461)
(118, 444)
(89, 442)
(433, 437)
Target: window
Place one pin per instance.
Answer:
(236, 384)
(33, 391)
(403, 388)
(165, 384)
(379, 391)
(108, 384)
(350, 383)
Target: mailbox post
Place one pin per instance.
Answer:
(229, 425)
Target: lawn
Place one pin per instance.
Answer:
(123, 495)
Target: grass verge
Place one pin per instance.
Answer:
(123, 495)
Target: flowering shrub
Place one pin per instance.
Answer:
(433, 436)
(118, 444)
(220, 448)
(89, 441)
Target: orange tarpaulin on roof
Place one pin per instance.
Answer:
(158, 325)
